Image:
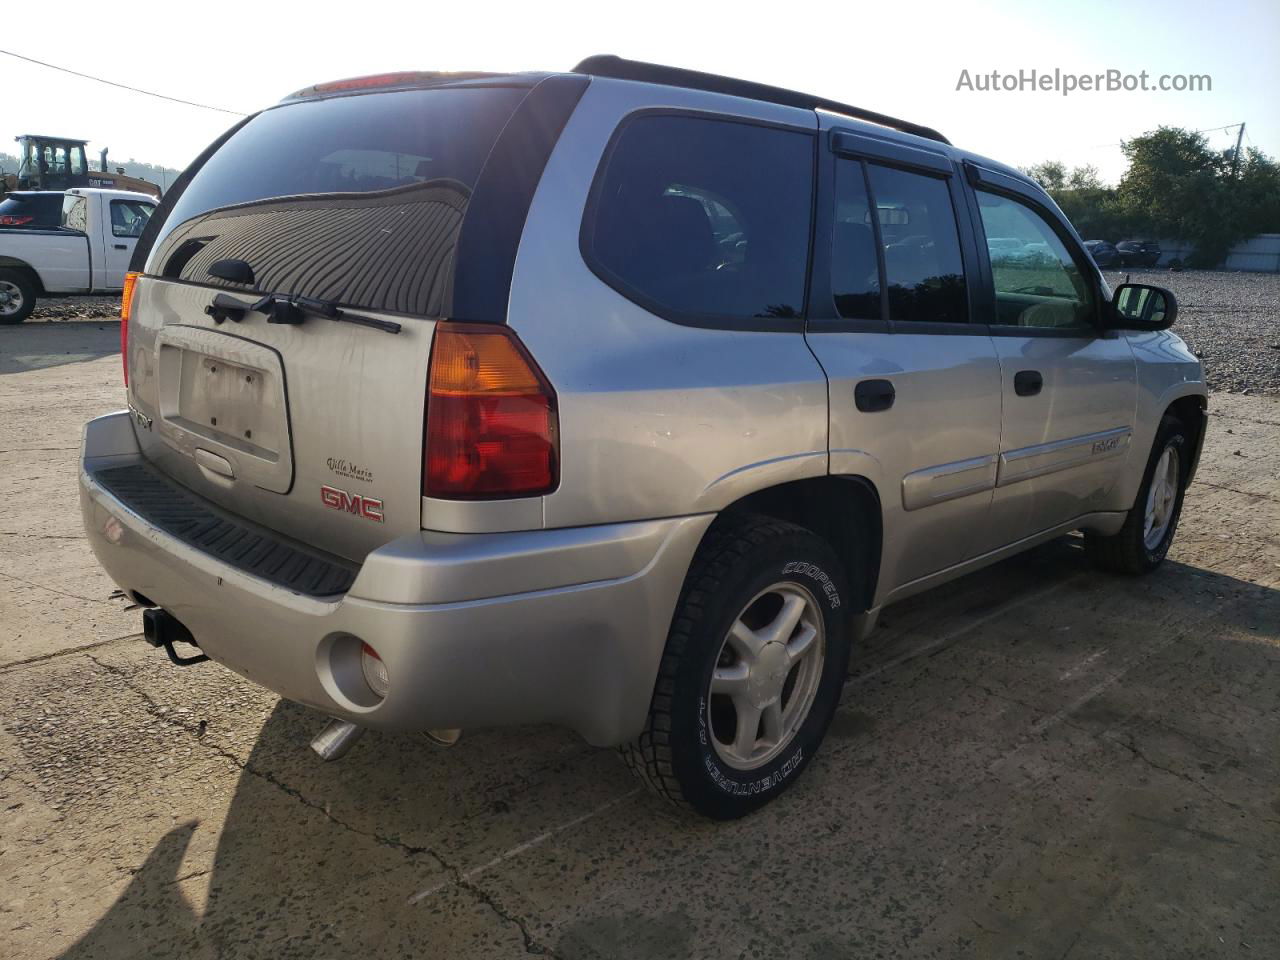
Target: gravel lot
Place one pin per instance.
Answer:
(1231, 320)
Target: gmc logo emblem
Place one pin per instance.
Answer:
(366, 507)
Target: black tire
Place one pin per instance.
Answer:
(25, 289)
(739, 558)
(1126, 551)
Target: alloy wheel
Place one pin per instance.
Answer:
(766, 676)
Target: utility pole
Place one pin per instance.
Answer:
(1235, 157)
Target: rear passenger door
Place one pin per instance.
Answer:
(914, 381)
(1068, 387)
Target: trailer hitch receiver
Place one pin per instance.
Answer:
(160, 628)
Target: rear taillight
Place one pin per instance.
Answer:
(126, 307)
(491, 417)
(11, 220)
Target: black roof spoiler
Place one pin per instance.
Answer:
(608, 65)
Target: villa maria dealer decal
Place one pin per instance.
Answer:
(352, 471)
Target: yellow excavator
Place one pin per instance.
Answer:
(58, 163)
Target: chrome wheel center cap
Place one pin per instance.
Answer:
(768, 674)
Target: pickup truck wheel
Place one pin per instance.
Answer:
(752, 671)
(17, 297)
(1148, 529)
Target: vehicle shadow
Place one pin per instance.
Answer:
(40, 346)
(320, 859)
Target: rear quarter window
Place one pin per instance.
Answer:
(704, 220)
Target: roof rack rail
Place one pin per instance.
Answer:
(608, 65)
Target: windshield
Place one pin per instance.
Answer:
(355, 199)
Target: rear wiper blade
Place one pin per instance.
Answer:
(281, 308)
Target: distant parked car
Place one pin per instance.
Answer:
(1104, 254)
(1004, 249)
(37, 208)
(1038, 254)
(1138, 253)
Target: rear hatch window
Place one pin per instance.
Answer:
(355, 199)
(31, 210)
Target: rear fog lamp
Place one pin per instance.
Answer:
(374, 670)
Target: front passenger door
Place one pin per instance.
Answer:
(1068, 388)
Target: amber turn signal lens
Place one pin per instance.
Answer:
(126, 307)
(491, 417)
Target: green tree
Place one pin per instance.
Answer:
(1051, 175)
(1084, 178)
(1258, 194)
(1176, 188)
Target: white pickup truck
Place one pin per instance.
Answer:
(82, 248)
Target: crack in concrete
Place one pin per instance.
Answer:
(1243, 493)
(532, 946)
(18, 664)
(38, 536)
(1141, 755)
(61, 593)
(1221, 415)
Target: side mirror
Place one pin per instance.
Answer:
(1139, 306)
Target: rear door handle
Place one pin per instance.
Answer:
(872, 396)
(1027, 383)
(120, 246)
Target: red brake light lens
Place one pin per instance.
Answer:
(12, 220)
(492, 429)
(126, 307)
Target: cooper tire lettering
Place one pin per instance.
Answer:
(816, 573)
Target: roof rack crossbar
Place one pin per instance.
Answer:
(608, 65)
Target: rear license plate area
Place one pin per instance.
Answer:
(225, 396)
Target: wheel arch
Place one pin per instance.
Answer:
(1192, 410)
(21, 266)
(843, 510)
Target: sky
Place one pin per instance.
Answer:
(904, 59)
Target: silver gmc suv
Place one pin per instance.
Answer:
(621, 399)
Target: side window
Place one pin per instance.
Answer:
(923, 268)
(855, 269)
(75, 211)
(128, 217)
(704, 218)
(1037, 284)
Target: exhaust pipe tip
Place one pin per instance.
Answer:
(444, 737)
(337, 737)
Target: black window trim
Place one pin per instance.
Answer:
(586, 230)
(980, 178)
(862, 148)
